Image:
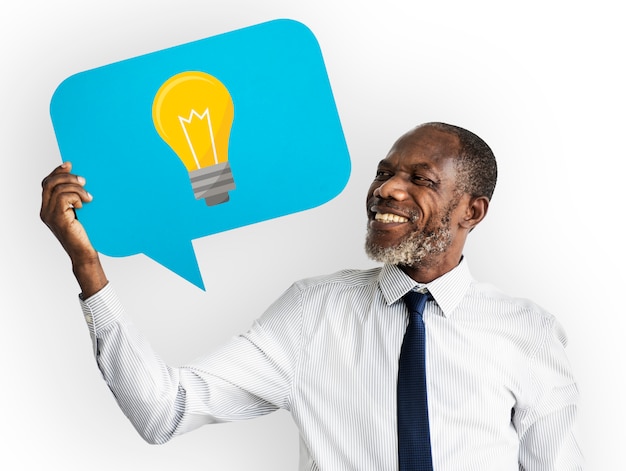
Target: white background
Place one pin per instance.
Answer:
(541, 81)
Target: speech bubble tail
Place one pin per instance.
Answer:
(181, 259)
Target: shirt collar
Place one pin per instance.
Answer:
(448, 290)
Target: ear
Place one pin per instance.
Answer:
(475, 211)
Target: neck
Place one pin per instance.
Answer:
(429, 270)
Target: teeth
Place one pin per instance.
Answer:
(385, 217)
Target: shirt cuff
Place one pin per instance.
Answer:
(101, 309)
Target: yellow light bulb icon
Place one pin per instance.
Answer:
(193, 113)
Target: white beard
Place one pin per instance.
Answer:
(416, 248)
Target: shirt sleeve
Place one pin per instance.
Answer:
(250, 376)
(546, 428)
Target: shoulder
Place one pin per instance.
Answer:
(491, 298)
(327, 289)
(348, 278)
(521, 317)
(317, 296)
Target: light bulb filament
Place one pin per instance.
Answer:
(184, 121)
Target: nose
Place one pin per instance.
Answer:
(394, 188)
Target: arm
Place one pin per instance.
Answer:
(248, 377)
(546, 428)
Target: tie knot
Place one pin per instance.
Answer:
(416, 301)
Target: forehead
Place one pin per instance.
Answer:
(424, 147)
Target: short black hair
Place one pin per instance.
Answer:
(476, 163)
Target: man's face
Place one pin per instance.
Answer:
(413, 198)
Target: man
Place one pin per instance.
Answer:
(499, 394)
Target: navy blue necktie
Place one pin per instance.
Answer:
(413, 431)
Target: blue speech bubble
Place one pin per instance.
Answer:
(286, 148)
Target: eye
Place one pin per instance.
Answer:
(422, 181)
(382, 175)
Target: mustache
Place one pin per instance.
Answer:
(381, 203)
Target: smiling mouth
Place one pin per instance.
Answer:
(390, 218)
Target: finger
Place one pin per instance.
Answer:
(64, 168)
(69, 193)
(55, 189)
(62, 198)
(58, 179)
(62, 212)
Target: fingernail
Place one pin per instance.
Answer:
(81, 180)
(90, 196)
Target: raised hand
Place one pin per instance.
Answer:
(63, 193)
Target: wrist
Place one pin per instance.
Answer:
(89, 273)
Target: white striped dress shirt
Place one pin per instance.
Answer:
(501, 395)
